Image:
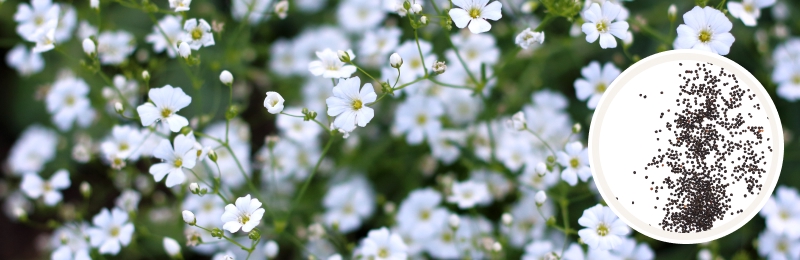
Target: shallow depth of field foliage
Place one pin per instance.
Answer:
(359, 129)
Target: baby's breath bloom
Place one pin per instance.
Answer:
(273, 102)
(226, 77)
(469, 193)
(167, 101)
(603, 230)
(349, 104)
(575, 160)
(705, 29)
(89, 47)
(198, 33)
(600, 23)
(474, 13)
(383, 244)
(50, 190)
(282, 9)
(528, 37)
(189, 217)
(175, 158)
(748, 10)
(330, 66)
(180, 5)
(111, 231)
(245, 214)
(395, 60)
(172, 247)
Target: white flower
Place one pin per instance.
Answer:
(174, 160)
(381, 244)
(359, 15)
(672, 12)
(595, 81)
(349, 104)
(24, 61)
(94, 4)
(600, 23)
(198, 34)
(89, 47)
(123, 143)
(575, 160)
(348, 204)
(184, 50)
(114, 47)
(453, 221)
(68, 102)
(418, 116)
(245, 215)
(376, 44)
(787, 75)
(748, 10)
(782, 213)
(527, 37)
(31, 18)
(540, 197)
(169, 38)
(329, 66)
(35, 147)
(538, 250)
(44, 37)
(69, 242)
(517, 122)
(271, 248)
(282, 9)
(469, 193)
(226, 77)
(167, 101)
(420, 214)
(776, 246)
(395, 61)
(180, 5)
(111, 230)
(603, 230)
(706, 29)
(172, 247)
(273, 102)
(445, 145)
(474, 13)
(628, 249)
(50, 190)
(189, 217)
(128, 200)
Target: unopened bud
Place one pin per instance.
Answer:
(395, 60)
(89, 47)
(453, 221)
(343, 56)
(672, 12)
(423, 20)
(507, 219)
(189, 218)
(416, 8)
(212, 155)
(540, 198)
(439, 67)
(576, 128)
(194, 188)
(145, 75)
(184, 50)
(282, 9)
(119, 108)
(497, 247)
(216, 232)
(226, 77)
(86, 189)
(254, 235)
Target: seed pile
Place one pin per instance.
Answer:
(700, 156)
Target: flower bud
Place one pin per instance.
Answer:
(226, 77)
(282, 9)
(184, 50)
(406, 5)
(95, 4)
(672, 12)
(145, 75)
(541, 169)
(540, 197)
(89, 47)
(416, 8)
(216, 232)
(189, 218)
(271, 249)
(172, 247)
(273, 102)
(576, 128)
(453, 221)
(395, 60)
(518, 121)
(389, 207)
(194, 188)
(423, 20)
(497, 247)
(343, 56)
(86, 189)
(254, 235)
(212, 155)
(507, 219)
(119, 108)
(439, 67)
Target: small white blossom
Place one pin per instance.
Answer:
(198, 33)
(271, 248)
(528, 37)
(180, 5)
(382, 244)
(575, 160)
(595, 81)
(189, 217)
(600, 23)
(517, 122)
(111, 231)
(282, 9)
(184, 50)
(748, 10)
(246, 214)
(349, 104)
(89, 47)
(474, 13)
(226, 77)
(603, 230)
(113, 48)
(167, 101)
(330, 66)
(453, 221)
(172, 247)
(705, 29)
(540, 197)
(68, 101)
(273, 102)
(469, 193)
(175, 158)
(50, 190)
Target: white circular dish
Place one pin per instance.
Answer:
(624, 137)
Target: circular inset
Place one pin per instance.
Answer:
(686, 146)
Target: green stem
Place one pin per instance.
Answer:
(463, 64)
(310, 177)
(542, 140)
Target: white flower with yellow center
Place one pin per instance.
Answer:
(198, 33)
(330, 66)
(575, 160)
(469, 193)
(180, 5)
(381, 244)
(174, 160)
(595, 81)
(603, 230)
(748, 10)
(67, 101)
(600, 23)
(349, 104)
(474, 13)
(167, 101)
(705, 29)
(246, 214)
(111, 231)
(35, 187)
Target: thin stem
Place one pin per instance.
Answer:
(365, 72)
(463, 64)
(565, 215)
(542, 140)
(419, 48)
(310, 177)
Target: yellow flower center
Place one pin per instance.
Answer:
(475, 12)
(782, 246)
(602, 26)
(166, 112)
(348, 209)
(421, 119)
(574, 163)
(38, 20)
(601, 87)
(197, 34)
(705, 35)
(123, 146)
(383, 253)
(749, 8)
(178, 163)
(602, 230)
(70, 100)
(114, 231)
(785, 215)
(415, 63)
(357, 104)
(425, 215)
(796, 79)
(447, 237)
(47, 187)
(244, 219)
